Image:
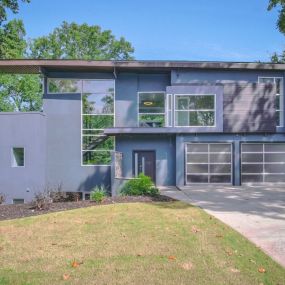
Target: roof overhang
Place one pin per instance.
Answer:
(37, 66)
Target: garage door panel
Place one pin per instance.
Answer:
(220, 158)
(252, 147)
(267, 160)
(252, 168)
(197, 178)
(252, 157)
(194, 148)
(209, 163)
(200, 158)
(197, 168)
(276, 147)
(275, 178)
(274, 168)
(220, 179)
(220, 168)
(274, 157)
(220, 148)
(252, 178)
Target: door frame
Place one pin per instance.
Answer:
(144, 150)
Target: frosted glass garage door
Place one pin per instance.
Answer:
(263, 162)
(208, 163)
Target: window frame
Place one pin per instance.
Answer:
(13, 157)
(203, 110)
(281, 97)
(138, 107)
(95, 129)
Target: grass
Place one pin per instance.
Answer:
(153, 243)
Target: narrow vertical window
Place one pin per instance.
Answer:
(169, 110)
(97, 114)
(18, 157)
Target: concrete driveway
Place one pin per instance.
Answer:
(257, 212)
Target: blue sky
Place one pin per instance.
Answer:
(230, 30)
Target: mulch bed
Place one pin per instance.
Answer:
(8, 212)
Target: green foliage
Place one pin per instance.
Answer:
(73, 41)
(142, 185)
(281, 18)
(20, 92)
(98, 194)
(12, 5)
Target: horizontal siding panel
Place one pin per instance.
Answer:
(249, 107)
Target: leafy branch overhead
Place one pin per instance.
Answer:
(11, 5)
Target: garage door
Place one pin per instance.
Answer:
(208, 163)
(263, 162)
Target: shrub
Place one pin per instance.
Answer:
(98, 194)
(2, 198)
(142, 185)
(41, 201)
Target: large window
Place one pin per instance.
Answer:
(195, 110)
(97, 114)
(279, 97)
(151, 109)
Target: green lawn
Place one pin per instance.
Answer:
(154, 243)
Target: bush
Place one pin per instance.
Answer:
(141, 186)
(98, 194)
(41, 201)
(2, 198)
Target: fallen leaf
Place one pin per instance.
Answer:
(234, 270)
(229, 252)
(253, 261)
(261, 270)
(219, 236)
(195, 230)
(139, 254)
(171, 257)
(187, 265)
(65, 276)
(74, 264)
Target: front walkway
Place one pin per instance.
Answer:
(257, 212)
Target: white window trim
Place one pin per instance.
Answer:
(281, 97)
(212, 110)
(138, 107)
(83, 129)
(12, 157)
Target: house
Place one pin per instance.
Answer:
(179, 122)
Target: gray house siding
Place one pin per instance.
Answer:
(63, 163)
(27, 130)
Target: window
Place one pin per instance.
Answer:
(58, 86)
(97, 114)
(195, 110)
(279, 97)
(18, 157)
(18, 201)
(151, 109)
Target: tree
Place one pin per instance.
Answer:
(73, 41)
(281, 18)
(12, 5)
(17, 92)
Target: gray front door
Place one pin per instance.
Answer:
(144, 162)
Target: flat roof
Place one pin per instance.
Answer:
(41, 65)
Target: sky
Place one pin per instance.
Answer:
(213, 30)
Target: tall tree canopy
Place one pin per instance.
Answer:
(12, 5)
(73, 41)
(69, 41)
